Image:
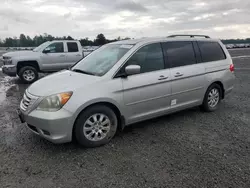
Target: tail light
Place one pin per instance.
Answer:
(232, 68)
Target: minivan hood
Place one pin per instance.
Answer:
(19, 53)
(59, 82)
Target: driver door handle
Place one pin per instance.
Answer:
(62, 55)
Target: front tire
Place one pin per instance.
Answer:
(28, 74)
(212, 98)
(95, 126)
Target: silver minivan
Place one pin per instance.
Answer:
(126, 82)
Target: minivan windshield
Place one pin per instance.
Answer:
(102, 60)
(41, 47)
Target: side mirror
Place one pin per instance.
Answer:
(46, 50)
(132, 69)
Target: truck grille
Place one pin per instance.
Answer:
(27, 101)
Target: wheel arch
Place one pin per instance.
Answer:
(32, 63)
(112, 106)
(221, 85)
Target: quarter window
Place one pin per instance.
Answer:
(149, 57)
(211, 51)
(72, 47)
(179, 53)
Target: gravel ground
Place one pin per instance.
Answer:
(185, 149)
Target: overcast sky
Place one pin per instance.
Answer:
(132, 18)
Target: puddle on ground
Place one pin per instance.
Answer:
(10, 87)
(2, 94)
(11, 93)
(13, 90)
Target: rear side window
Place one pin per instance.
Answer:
(72, 47)
(211, 51)
(179, 53)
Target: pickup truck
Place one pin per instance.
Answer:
(50, 56)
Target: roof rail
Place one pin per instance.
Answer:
(191, 36)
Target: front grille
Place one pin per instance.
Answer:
(5, 62)
(27, 101)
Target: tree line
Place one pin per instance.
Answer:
(236, 41)
(27, 41)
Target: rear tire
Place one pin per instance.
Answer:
(95, 126)
(28, 74)
(212, 98)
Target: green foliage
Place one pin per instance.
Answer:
(100, 40)
(236, 41)
(27, 41)
(86, 42)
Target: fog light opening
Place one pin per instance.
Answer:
(47, 133)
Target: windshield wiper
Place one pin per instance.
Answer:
(81, 71)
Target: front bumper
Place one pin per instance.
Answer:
(54, 126)
(9, 70)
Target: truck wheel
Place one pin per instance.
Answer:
(95, 126)
(28, 74)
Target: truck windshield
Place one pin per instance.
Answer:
(41, 47)
(102, 60)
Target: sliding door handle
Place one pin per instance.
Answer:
(178, 75)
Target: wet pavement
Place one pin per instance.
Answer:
(185, 149)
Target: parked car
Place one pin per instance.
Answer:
(242, 45)
(126, 82)
(247, 45)
(48, 57)
(229, 46)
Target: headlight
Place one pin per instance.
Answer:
(54, 102)
(7, 60)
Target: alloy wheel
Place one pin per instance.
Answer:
(96, 127)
